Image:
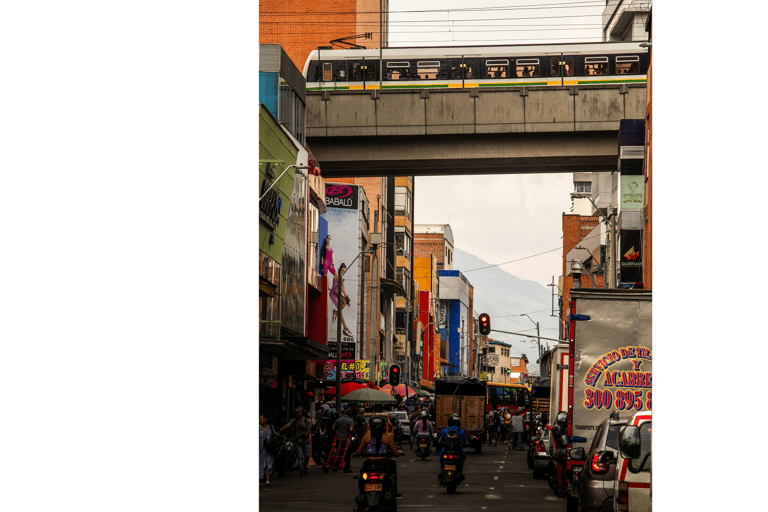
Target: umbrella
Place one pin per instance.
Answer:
(346, 387)
(368, 395)
(400, 389)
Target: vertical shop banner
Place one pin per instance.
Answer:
(632, 192)
(352, 369)
(340, 246)
(631, 245)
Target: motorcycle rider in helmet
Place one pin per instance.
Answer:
(454, 424)
(377, 442)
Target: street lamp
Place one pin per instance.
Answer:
(538, 334)
(340, 273)
(298, 168)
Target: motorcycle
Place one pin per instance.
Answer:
(423, 445)
(556, 470)
(376, 487)
(286, 459)
(451, 470)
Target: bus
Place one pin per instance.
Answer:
(511, 396)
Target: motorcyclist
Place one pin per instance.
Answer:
(422, 425)
(376, 443)
(454, 424)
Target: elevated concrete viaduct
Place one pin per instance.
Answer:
(470, 130)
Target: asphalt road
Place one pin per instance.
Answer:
(496, 479)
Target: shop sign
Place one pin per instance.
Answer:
(351, 369)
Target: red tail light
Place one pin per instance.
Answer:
(598, 469)
(540, 447)
(450, 456)
(372, 476)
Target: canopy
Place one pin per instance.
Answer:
(347, 387)
(368, 395)
(399, 389)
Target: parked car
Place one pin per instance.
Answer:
(632, 487)
(596, 480)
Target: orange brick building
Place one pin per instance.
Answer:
(301, 25)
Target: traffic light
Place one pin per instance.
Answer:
(485, 324)
(394, 375)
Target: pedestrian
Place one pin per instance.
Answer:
(342, 428)
(517, 429)
(302, 429)
(266, 459)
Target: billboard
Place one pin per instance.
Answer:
(631, 260)
(351, 369)
(339, 246)
(632, 192)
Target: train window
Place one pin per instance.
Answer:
(397, 71)
(596, 65)
(627, 65)
(556, 62)
(363, 71)
(525, 68)
(428, 69)
(327, 72)
(497, 68)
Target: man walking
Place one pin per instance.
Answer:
(302, 429)
(342, 428)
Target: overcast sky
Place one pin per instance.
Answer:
(499, 218)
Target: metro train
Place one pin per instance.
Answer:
(477, 66)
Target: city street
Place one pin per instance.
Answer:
(495, 479)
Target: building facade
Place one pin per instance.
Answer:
(301, 26)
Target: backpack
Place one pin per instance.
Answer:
(496, 419)
(452, 441)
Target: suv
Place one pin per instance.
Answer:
(595, 485)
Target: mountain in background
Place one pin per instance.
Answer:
(505, 297)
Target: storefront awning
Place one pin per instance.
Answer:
(299, 347)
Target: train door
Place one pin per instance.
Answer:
(562, 70)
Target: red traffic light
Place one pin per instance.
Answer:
(395, 370)
(485, 324)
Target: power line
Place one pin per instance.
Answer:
(565, 5)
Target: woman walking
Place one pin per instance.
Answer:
(266, 460)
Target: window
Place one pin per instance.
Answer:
(402, 241)
(555, 64)
(526, 68)
(403, 201)
(627, 65)
(582, 186)
(403, 276)
(428, 70)
(497, 68)
(398, 71)
(596, 65)
(327, 72)
(491, 350)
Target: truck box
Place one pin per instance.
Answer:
(465, 397)
(610, 360)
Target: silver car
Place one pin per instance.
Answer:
(595, 486)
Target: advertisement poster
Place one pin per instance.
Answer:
(347, 351)
(631, 245)
(352, 369)
(339, 246)
(614, 370)
(632, 192)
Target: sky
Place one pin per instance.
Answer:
(511, 216)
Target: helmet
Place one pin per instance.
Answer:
(298, 410)
(378, 423)
(562, 419)
(454, 421)
(423, 414)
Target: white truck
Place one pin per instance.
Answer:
(609, 364)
